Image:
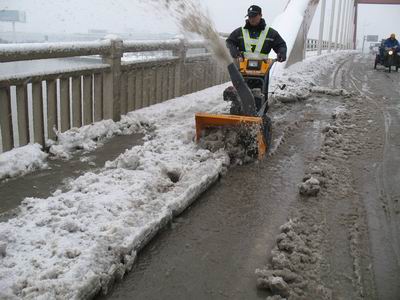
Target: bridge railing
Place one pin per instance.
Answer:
(60, 100)
(312, 45)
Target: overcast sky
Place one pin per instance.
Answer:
(122, 15)
(71, 16)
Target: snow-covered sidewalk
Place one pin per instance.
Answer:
(74, 243)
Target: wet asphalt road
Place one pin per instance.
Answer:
(379, 181)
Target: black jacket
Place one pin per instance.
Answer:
(235, 41)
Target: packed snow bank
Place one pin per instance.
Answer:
(302, 78)
(89, 137)
(22, 160)
(77, 242)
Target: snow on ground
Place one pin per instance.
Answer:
(302, 77)
(23, 160)
(73, 243)
(20, 161)
(90, 136)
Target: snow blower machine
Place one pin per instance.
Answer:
(249, 104)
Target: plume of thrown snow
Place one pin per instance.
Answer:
(191, 18)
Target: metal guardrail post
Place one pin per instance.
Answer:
(179, 69)
(331, 25)
(337, 41)
(321, 27)
(111, 82)
(5, 119)
(344, 23)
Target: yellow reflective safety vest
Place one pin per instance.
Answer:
(256, 44)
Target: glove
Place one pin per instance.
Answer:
(281, 57)
(239, 55)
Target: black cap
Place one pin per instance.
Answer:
(253, 11)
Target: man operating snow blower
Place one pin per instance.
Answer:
(253, 42)
(256, 37)
(250, 45)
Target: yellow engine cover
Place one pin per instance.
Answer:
(246, 70)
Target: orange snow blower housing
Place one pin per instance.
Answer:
(249, 103)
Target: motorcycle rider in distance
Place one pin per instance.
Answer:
(392, 43)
